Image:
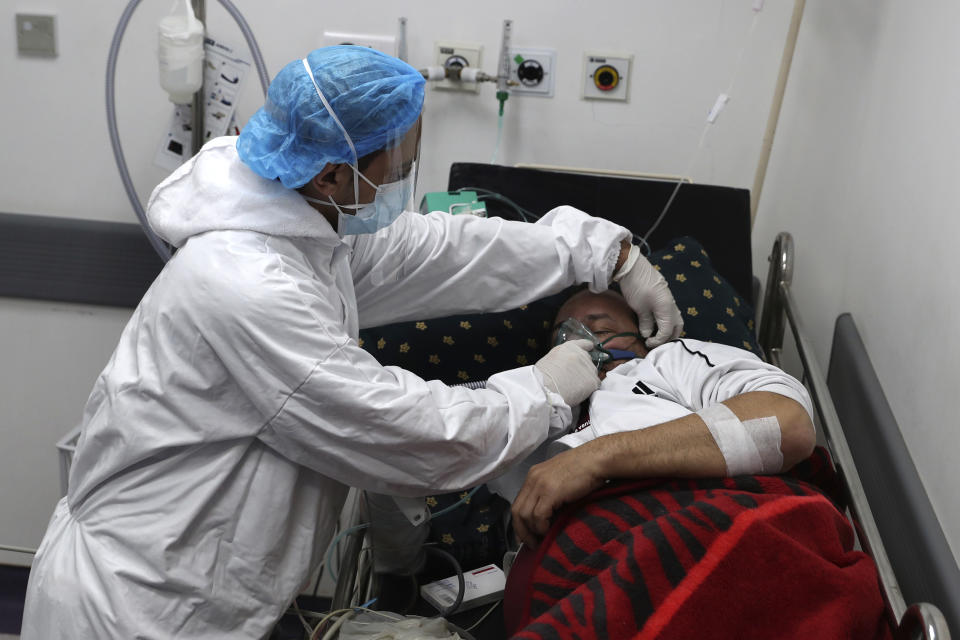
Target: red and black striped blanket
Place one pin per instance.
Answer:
(746, 557)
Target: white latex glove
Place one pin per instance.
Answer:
(569, 372)
(649, 296)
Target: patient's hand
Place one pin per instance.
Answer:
(550, 485)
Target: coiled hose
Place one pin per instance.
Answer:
(159, 246)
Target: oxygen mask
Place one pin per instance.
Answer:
(573, 329)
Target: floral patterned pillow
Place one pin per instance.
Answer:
(712, 309)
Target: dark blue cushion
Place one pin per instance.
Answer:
(469, 347)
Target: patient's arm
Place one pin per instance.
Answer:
(679, 448)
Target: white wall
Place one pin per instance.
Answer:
(864, 175)
(52, 353)
(58, 160)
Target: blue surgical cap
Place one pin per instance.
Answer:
(293, 136)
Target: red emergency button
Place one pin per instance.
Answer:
(606, 78)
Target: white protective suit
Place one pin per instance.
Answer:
(219, 441)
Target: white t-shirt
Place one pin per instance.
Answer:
(673, 380)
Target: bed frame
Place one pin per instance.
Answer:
(886, 502)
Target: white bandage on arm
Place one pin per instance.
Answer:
(747, 447)
(765, 433)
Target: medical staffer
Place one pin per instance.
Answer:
(219, 441)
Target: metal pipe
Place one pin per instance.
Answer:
(199, 126)
(924, 621)
(780, 272)
(31, 552)
(785, 61)
(402, 38)
(775, 357)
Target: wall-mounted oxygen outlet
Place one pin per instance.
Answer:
(533, 71)
(456, 56)
(385, 44)
(606, 76)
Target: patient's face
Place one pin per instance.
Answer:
(605, 314)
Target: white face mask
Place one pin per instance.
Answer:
(389, 202)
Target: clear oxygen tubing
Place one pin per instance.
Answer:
(496, 148)
(159, 246)
(703, 136)
(486, 194)
(328, 560)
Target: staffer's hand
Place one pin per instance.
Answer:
(569, 372)
(550, 485)
(647, 293)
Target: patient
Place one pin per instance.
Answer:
(690, 553)
(686, 409)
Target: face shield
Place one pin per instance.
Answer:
(385, 188)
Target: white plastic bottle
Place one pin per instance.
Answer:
(181, 53)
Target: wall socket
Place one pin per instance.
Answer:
(533, 70)
(460, 54)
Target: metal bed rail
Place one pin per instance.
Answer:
(921, 620)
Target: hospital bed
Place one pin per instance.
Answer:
(879, 486)
(111, 264)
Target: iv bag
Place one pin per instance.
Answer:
(181, 53)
